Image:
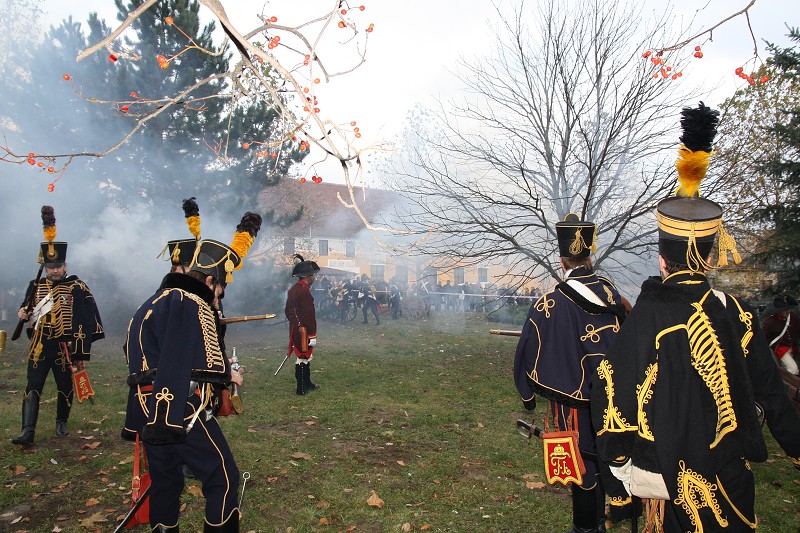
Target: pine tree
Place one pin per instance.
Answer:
(780, 250)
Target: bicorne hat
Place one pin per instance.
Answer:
(303, 268)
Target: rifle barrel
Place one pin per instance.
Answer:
(506, 332)
(246, 318)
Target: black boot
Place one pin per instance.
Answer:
(307, 378)
(231, 525)
(63, 407)
(30, 413)
(585, 517)
(165, 529)
(298, 375)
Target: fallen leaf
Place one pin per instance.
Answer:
(91, 445)
(91, 501)
(480, 425)
(425, 527)
(309, 422)
(324, 521)
(17, 519)
(251, 430)
(301, 455)
(323, 504)
(272, 479)
(405, 528)
(350, 528)
(530, 476)
(93, 520)
(534, 485)
(19, 469)
(56, 529)
(374, 500)
(401, 463)
(194, 490)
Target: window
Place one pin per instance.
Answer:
(483, 275)
(288, 245)
(377, 272)
(458, 275)
(401, 274)
(323, 247)
(350, 248)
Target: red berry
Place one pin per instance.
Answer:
(133, 94)
(696, 48)
(112, 57)
(51, 188)
(169, 20)
(66, 77)
(273, 19)
(765, 79)
(124, 109)
(31, 161)
(302, 180)
(245, 145)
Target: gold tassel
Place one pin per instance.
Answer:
(578, 244)
(176, 254)
(727, 242)
(594, 241)
(229, 269)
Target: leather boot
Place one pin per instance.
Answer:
(63, 407)
(298, 375)
(231, 525)
(584, 511)
(30, 413)
(307, 378)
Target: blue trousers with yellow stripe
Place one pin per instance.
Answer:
(208, 456)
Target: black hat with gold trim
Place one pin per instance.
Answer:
(220, 260)
(52, 253)
(181, 251)
(575, 237)
(687, 223)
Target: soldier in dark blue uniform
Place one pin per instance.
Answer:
(563, 340)
(674, 401)
(65, 324)
(177, 368)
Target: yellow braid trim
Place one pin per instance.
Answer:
(692, 167)
(194, 225)
(50, 233)
(242, 241)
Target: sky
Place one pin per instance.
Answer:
(416, 45)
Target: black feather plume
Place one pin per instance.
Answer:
(251, 223)
(190, 208)
(699, 127)
(297, 258)
(48, 216)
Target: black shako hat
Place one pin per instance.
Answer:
(687, 223)
(215, 259)
(575, 237)
(54, 253)
(303, 268)
(51, 253)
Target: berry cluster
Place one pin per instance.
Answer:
(748, 78)
(666, 71)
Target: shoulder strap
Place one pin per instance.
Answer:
(785, 327)
(589, 302)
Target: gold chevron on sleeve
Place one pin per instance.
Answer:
(644, 393)
(613, 421)
(709, 361)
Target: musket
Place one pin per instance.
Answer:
(28, 304)
(507, 332)
(247, 318)
(142, 497)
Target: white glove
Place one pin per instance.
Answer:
(312, 342)
(623, 473)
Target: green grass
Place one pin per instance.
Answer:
(421, 412)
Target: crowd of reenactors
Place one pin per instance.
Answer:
(659, 406)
